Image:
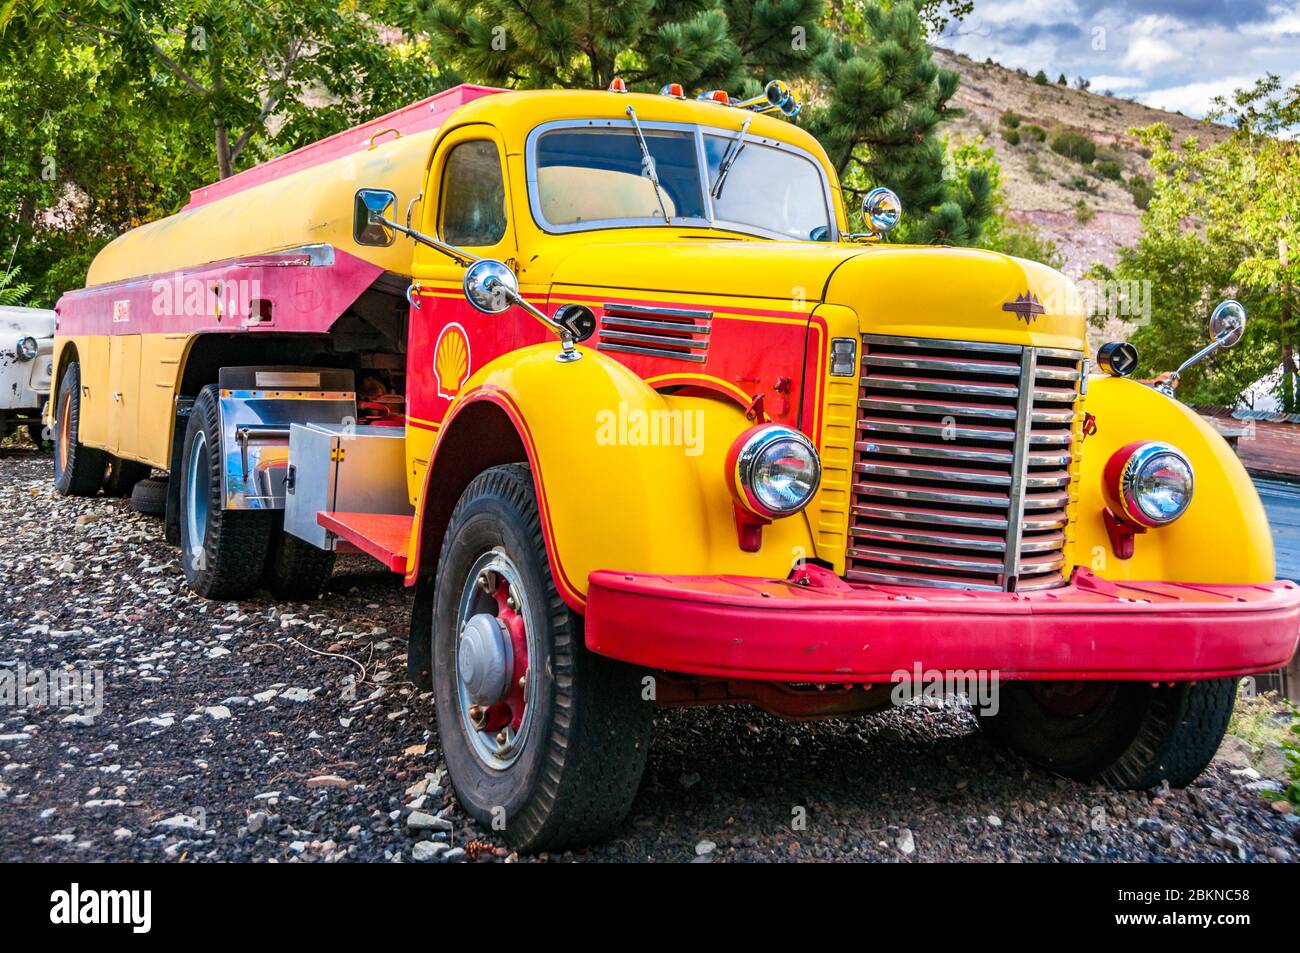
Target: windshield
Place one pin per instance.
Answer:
(592, 176)
(768, 188)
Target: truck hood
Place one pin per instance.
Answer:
(781, 271)
(23, 322)
(925, 291)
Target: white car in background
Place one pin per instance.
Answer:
(26, 367)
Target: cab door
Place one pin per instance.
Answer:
(467, 203)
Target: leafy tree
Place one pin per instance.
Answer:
(98, 132)
(234, 71)
(1040, 78)
(846, 16)
(1225, 221)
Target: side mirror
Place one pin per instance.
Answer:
(490, 286)
(371, 205)
(1227, 325)
(1228, 322)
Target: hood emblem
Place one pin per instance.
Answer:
(1025, 306)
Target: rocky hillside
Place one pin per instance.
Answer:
(1045, 188)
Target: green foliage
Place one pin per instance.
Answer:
(559, 43)
(1074, 145)
(879, 98)
(1000, 232)
(1041, 78)
(111, 111)
(1083, 212)
(1292, 748)
(884, 100)
(1109, 169)
(1012, 136)
(1010, 119)
(1224, 220)
(1034, 132)
(1062, 81)
(12, 291)
(1139, 186)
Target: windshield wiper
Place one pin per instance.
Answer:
(733, 153)
(648, 164)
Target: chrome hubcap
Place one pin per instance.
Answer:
(494, 642)
(196, 493)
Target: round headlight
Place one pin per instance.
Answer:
(27, 348)
(882, 210)
(1149, 483)
(775, 470)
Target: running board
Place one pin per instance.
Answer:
(382, 535)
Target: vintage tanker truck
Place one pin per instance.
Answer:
(605, 377)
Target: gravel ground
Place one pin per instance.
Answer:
(245, 732)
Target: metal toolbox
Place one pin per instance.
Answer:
(340, 468)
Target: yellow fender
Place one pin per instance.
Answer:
(1222, 538)
(627, 478)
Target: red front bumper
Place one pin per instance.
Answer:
(828, 631)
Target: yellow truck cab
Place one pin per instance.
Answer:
(605, 377)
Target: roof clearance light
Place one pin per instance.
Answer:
(715, 96)
(616, 85)
(672, 89)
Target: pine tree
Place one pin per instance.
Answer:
(875, 99)
(884, 101)
(701, 44)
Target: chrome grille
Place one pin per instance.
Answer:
(961, 464)
(679, 333)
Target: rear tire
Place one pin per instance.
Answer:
(123, 475)
(295, 569)
(1130, 735)
(569, 773)
(223, 552)
(149, 497)
(78, 469)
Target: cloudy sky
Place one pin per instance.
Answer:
(1172, 54)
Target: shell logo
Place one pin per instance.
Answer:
(451, 360)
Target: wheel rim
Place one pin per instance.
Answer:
(65, 430)
(1071, 699)
(196, 492)
(494, 641)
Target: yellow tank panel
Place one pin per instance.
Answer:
(307, 207)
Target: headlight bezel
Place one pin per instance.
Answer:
(27, 348)
(748, 451)
(1126, 470)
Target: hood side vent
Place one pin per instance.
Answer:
(677, 333)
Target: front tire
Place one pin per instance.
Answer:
(78, 469)
(1125, 734)
(545, 742)
(223, 552)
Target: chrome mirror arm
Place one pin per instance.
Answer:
(1169, 386)
(460, 256)
(568, 353)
